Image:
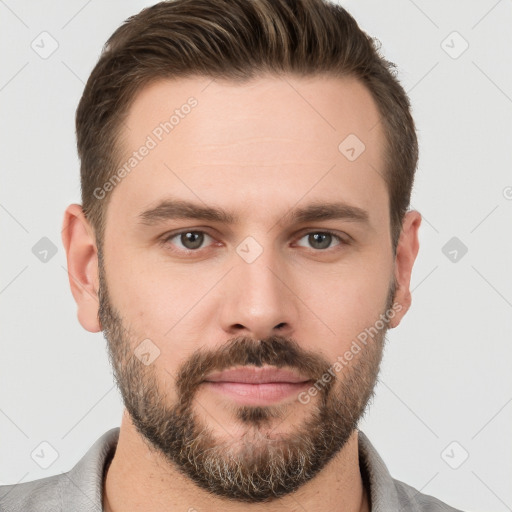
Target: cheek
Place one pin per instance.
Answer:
(346, 302)
(160, 303)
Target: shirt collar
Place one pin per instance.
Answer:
(82, 487)
(376, 476)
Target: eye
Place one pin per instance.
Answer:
(321, 240)
(194, 240)
(189, 240)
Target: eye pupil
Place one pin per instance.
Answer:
(192, 239)
(323, 238)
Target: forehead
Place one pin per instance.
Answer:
(268, 142)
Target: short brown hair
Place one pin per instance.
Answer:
(237, 40)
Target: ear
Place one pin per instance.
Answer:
(82, 257)
(406, 252)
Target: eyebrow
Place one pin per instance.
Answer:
(180, 209)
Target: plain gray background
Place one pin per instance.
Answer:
(445, 388)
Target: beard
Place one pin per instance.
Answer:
(258, 465)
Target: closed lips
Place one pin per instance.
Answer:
(256, 375)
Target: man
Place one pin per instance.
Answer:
(244, 243)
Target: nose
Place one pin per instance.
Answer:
(259, 300)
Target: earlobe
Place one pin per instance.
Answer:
(82, 259)
(406, 252)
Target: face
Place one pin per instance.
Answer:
(244, 238)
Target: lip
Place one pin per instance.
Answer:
(257, 386)
(257, 375)
(258, 394)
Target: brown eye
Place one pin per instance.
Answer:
(322, 240)
(189, 240)
(192, 239)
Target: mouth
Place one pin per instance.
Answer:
(251, 385)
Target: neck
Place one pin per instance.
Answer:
(139, 478)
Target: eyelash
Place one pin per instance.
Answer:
(166, 240)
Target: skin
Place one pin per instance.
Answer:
(258, 150)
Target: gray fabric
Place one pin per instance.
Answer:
(80, 489)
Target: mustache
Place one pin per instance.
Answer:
(278, 351)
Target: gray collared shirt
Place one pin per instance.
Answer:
(80, 489)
